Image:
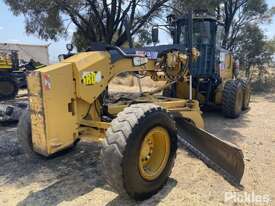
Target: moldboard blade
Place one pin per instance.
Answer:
(222, 156)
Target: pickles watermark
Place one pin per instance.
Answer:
(247, 198)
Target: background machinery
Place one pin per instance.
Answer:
(215, 74)
(68, 102)
(13, 73)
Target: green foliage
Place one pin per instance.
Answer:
(104, 21)
(270, 44)
(182, 6)
(253, 49)
(95, 21)
(79, 41)
(143, 38)
(241, 23)
(251, 45)
(42, 17)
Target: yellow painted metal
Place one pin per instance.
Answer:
(54, 126)
(39, 138)
(182, 106)
(87, 62)
(5, 62)
(182, 88)
(65, 108)
(227, 73)
(165, 102)
(5, 67)
(95, 124)
(114, 109)
(194, 116)
(192, 113)
(91, 134)
(154, 153)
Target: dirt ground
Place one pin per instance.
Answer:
(73, 178)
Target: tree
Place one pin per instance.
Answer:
(95, 21)
(235, 13)
(182, 6)
(270, 47)
(143, 37)
(253, 49)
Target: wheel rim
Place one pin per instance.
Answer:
(154, 153)
(6, 88)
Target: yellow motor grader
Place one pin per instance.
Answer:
(139, 137)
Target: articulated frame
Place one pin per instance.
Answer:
(65, 98)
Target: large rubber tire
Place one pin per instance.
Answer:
(121, 149)
(246, 94)
(232, 101)
(8, 88)
(24, 136)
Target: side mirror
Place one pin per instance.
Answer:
(155, 35)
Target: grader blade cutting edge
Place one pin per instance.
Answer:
(222, 156)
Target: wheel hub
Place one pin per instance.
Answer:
(154, 153)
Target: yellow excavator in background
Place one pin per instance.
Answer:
(139, 137)
(8, 83)
(13, 74)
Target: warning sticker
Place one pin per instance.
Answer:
(46, 80)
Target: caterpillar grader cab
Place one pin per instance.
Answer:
(215, 74)
(13, 73)
(139, 137)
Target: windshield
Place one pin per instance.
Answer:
(201, 33)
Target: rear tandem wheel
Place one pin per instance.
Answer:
(232, 101)
(246, 94)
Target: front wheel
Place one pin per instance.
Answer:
(24, 136)
(139, 151)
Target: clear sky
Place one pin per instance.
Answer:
(12, 30)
